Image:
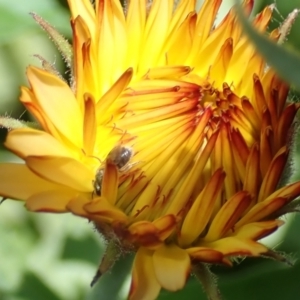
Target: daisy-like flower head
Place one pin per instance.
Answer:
(172, 138)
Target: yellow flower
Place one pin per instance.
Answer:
(172, 138)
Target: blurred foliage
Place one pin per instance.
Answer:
(45, 256)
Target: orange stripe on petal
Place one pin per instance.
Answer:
(252, 178)
(284, 125)
(110, 182)
(85, 9)
(130, 192)
(228, 215)
(251, 114)
(259, 100)
(171, 266)
(188, 185)
(145, 233)
(227, 160)
(90, 83)
(240, 152)
(206, 19)
(90, 126)
(262, 20)
(200, 212)
(168, 72)
(262, 210)
(153, 99)
(157, 115)
(100, 207)
(233, 246)
(266, 150)
(166, 148)
(273, 174)
(194, 143)
(144, 284)
(203, 254)
(211, 46)
(165, 226)
(183, 8)
(108, 99)
(257, 230)
(81, 35)
(240, 145)
(289, 192)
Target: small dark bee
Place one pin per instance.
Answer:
(119, 156)
(98, 182)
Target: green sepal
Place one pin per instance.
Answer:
(111, 255)
(281, 257)
(49, 67)
(208, 280)
(64, 47)
(11, 123)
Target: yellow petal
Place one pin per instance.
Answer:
(31, 142)
(271, 204)
(110, 51)
(63, 170)
(90, 126)
(156, 29)
(172, 267)
(100, 207)
(85, 9)
(108, 100)
(50, 201)
(58, 103)
(165, 226)
(110, 182)
(18, 182)
(273, 174)
(199, 214)
(228, 215)
(205, 255)
(234, 246)
(76, 205)
(136, 19)
(257, 230)
(145, 233)
(144, 285)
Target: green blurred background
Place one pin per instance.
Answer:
(53, 257)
